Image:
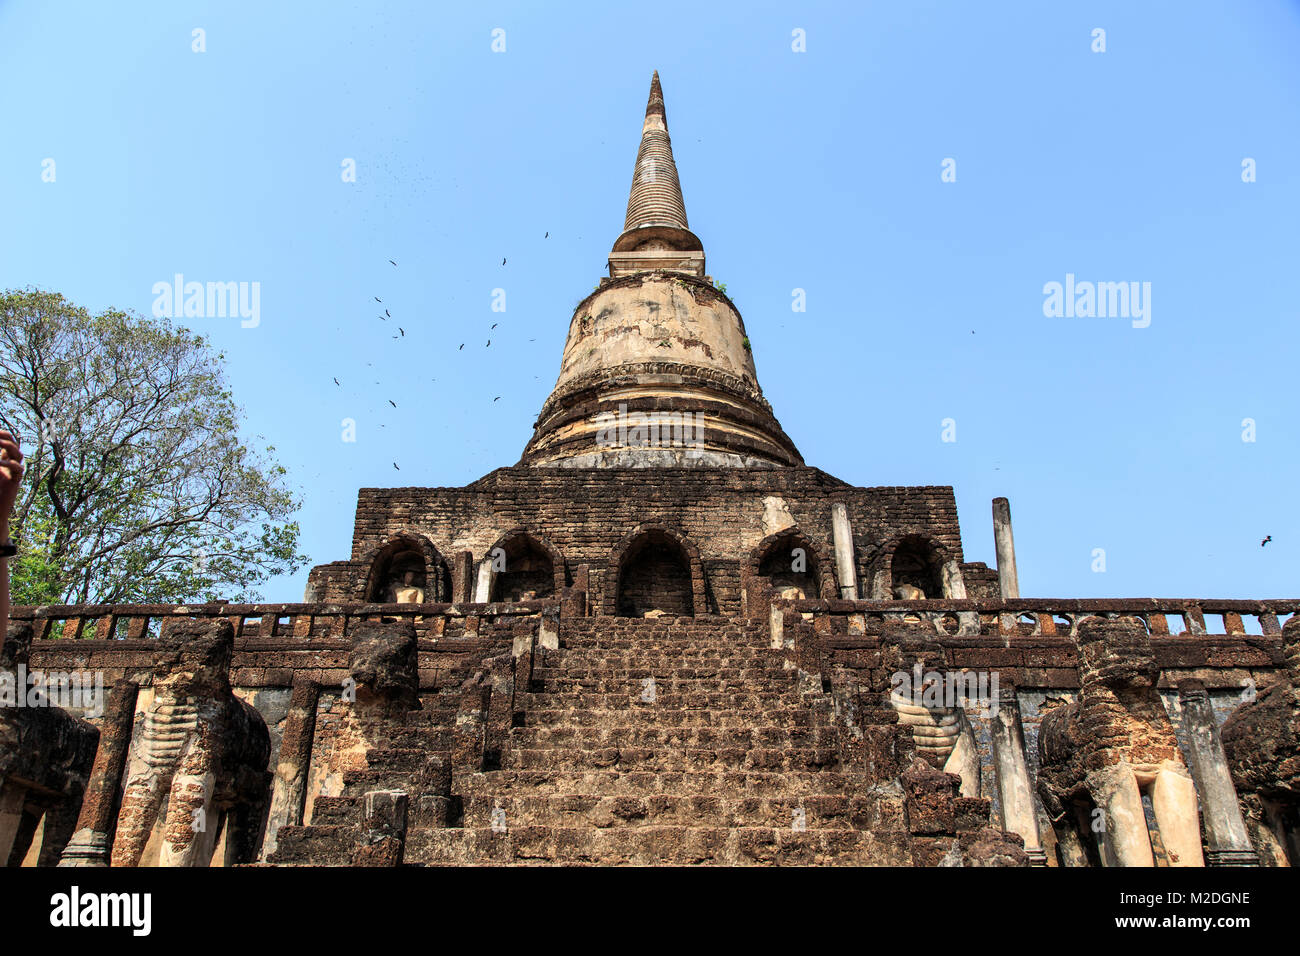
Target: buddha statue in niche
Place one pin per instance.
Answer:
(408, 591)
(405, 579)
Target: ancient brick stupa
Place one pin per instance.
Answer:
(662, 638)
(657, 478)
(657, 344)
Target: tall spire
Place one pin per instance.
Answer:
(656, 198)
(659, 346)
(655, 232)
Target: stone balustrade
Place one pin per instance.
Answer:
(1057, 617)
(264, 621)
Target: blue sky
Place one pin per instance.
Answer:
(817, 170)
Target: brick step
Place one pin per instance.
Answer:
(744, 702)
(667, 760)
(668, 641)
(655, 715)
(358, 782)
(591, 737)
(647, 630)
(599, 645)
(643, 782)
(770, 683)
(335, 811)
(663, 673)
(424, 810)
(662, 845)
(609, 658)
(595, 810)
(436, 710)
(420, 740)
(408, 769)
(692, 621)
(314, 845)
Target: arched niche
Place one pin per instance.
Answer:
(406, 567)
(656, 569)
(533, 569)
(920, 561)
(777, 560)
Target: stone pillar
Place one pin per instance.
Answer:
(483, 588)
(90, 844)
(1005, 544)
(469, 734)
(500, 707)
(462, 577)
(842, 533)
(548, 631)
(523, 645)
(582, 578)
(1226, 840)
(573, 602)
(289, 790)
(1011, 770)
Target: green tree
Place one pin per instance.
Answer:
(138, 486)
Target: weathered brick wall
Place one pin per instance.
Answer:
(981, 581)
(586, 514)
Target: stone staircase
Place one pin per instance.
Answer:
(684, 741)
(639, 742)
(413, 758)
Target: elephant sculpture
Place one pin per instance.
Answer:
(200, 761)
(1261, 740)
(1101, 754)
(943, 738)
(46, 754)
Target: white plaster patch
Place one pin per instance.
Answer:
(776, 515)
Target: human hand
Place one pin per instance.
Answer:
(11, 474)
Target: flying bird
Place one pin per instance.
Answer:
(497, 399)
(494, 325)
(393, 403)
(377, 299)
(503, 261)
(462, 345)
(1266, 541)
(336, 381)
(547, 236)
(394, 263)
(395, 466)
(489, 343)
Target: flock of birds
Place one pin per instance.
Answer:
(401, 334)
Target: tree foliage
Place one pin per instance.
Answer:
(138, 487)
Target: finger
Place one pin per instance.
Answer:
(11, 466)
(10, 448)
